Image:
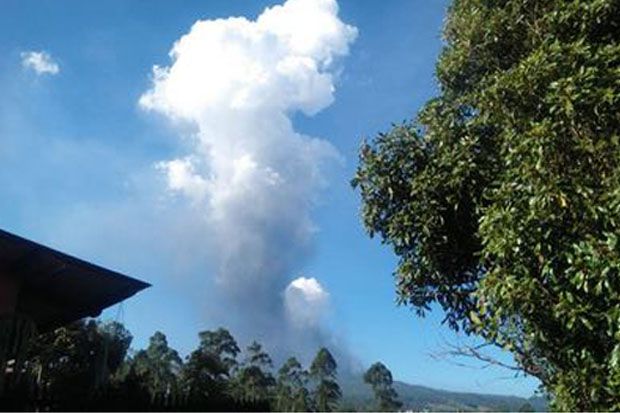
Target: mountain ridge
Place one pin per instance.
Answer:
(357, 395)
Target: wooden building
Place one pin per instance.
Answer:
(42, 289)
(52, 288)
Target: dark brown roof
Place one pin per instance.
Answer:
(57, 288)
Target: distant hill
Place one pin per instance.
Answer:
(357, 395)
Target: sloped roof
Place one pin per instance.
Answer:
(57, 288)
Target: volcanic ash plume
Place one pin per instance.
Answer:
(252, 176)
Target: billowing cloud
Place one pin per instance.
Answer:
(40, 62)
(181, 176)
(306, 302)
(252, 177)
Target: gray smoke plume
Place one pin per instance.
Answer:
(252, 177)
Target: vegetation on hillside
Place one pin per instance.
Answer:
(88, 366)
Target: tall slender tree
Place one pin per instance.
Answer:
(253, 380)
(379, 377)
(158, 367)
(207, 371)
(292, 394)
(323, 371)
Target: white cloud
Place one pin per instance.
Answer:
(306, 302)
(253, 178)
(278, 63)
(181, 176)
(41, 62)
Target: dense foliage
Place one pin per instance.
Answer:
(323, 371)
(502, 199)
(88, 365)
(292, 394)
(380, 379)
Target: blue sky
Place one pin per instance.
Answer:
(79, 155)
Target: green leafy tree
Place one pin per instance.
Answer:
(323, 371)
(253, 381)
(379, 377)
(221, 344)
(73, 365)
(292, 394)
(206, 373)
(116, 342)
(502, 199)
(158, 369)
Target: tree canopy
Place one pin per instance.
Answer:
(380, 379)
(292, 392)
(502, 198)
(89, 366)
(323, 371)
(158, 368)
(254, 381)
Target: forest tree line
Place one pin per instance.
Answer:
(88, 365)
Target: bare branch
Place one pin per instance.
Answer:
(453, 353)
(475, 352)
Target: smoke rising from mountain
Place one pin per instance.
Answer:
(252, 177)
